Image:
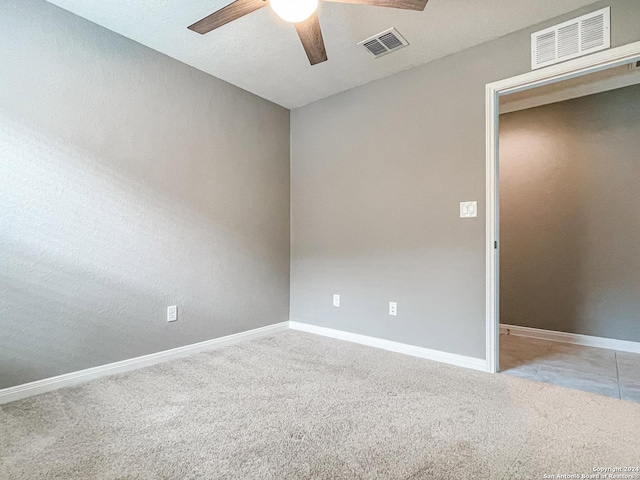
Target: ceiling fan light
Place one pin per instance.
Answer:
(294, 11)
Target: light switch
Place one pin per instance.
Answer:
(336, 300)
(468, 209)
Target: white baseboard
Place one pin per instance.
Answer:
(436, 355)
(574, 338)
(74, 378)
(69, 379)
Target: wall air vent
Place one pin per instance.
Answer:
(384, 42)
(575, 38)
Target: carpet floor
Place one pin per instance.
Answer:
(295, 405)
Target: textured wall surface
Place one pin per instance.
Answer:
(377, 176)
(129, 182)
(570, 221)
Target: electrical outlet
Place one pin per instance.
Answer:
(172, 313)
(393, 309)
(336, 300)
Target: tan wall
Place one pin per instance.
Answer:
(570, 216)
(129, 182)
(377, 176)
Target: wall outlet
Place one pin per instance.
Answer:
(393, 309)
(172, 313)
(336, 300)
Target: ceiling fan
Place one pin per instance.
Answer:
(302, 13)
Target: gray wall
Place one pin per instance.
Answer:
(570, 216)
(129, 182)
(377, 176)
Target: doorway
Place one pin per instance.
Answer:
(573, 76)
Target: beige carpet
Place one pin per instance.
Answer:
(295, 405)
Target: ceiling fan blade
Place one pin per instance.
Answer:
(227, 14)
(311, 38)
(404, 4)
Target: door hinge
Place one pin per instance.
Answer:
(495, 244)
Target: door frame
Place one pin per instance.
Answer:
(573, 68)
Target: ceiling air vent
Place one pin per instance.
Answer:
(384, 42)
(575, 38)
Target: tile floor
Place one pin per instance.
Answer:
(597, 370)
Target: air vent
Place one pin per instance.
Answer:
(575, 38)
(384, 42)
(375, 47)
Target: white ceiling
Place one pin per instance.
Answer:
(262, 54)
(580, 86)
